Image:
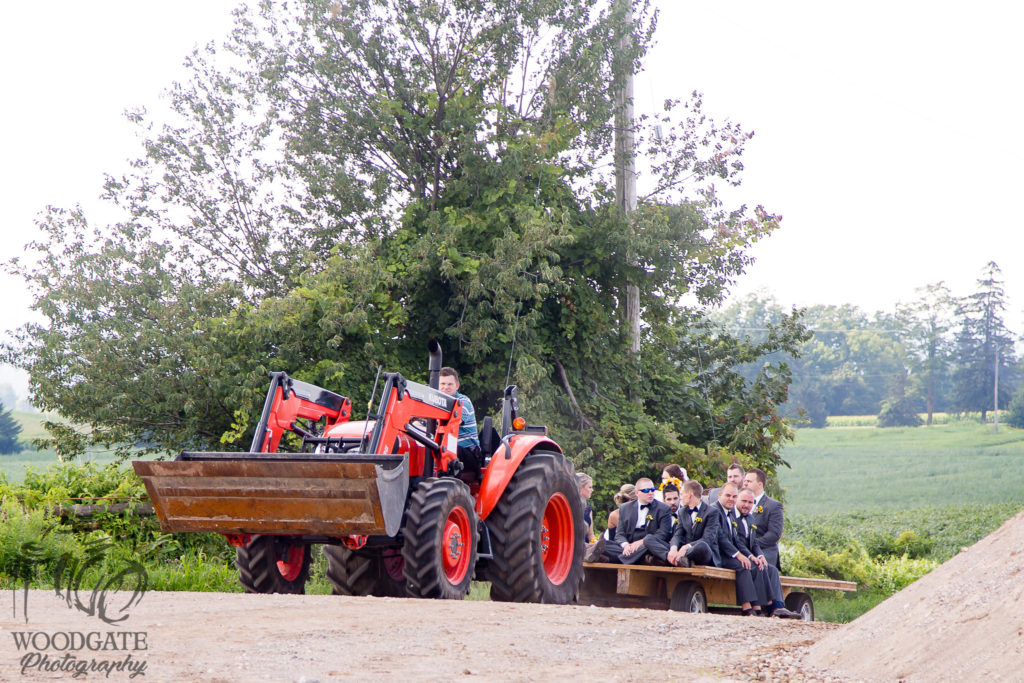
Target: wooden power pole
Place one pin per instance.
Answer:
(625, 163)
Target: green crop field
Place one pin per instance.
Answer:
(859, 491)
(846, 469)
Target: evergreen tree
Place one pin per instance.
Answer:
(10, 429)
(983, 342)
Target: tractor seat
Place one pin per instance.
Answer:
(489, 439)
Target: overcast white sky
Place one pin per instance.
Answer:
(888, 134)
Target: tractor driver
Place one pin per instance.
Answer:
(469, 441)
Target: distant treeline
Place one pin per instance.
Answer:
(939, 353)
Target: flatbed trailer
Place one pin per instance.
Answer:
(687, 589)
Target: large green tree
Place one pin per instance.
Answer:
(925, 329)
(343, 180)
(984, 347)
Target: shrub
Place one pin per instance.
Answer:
(32, 543)
(1015, 411)
(908, 542)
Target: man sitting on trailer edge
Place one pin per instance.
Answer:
(696, 532)
(640, 520)
(469, 440)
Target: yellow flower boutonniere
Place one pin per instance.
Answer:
(650, 518)
(760, 509)
(753, 526)
(698, 520)
(734, 524)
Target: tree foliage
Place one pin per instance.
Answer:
(344, 180)
(984, 347)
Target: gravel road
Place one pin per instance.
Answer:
(232, 637)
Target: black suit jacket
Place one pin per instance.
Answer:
(726, 532)
(659, 522)
(705, 530)
(746, 541)
(769, 522)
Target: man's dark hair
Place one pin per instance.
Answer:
(733, 466)
(449, 372)
(669, 487)
(759, 473)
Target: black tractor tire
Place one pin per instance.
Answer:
(440, 540)
(352, 573)
(537, 534)
(270, 564)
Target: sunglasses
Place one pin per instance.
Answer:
(650, 490)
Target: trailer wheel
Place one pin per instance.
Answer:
(354, 574)
(688, 596)
(271, 564)
(802, 604)
(537, 534)
(441, 538)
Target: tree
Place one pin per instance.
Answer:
(10, 429)
(925, 326)
(982, 344)
(438, 169)
(899, 410)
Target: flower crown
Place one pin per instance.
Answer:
(671, 480)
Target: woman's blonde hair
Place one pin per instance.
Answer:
(627, 492)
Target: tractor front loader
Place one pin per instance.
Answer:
(386, 497)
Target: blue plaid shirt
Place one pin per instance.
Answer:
(467, 431)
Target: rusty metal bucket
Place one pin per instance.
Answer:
(272, 493)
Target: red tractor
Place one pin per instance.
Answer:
(384, 497)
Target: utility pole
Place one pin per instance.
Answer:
(995, 396)
(625, 161)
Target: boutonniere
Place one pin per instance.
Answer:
(734, 523)
(650, 517)
(698, 520)
(760, 509)
(753, 526)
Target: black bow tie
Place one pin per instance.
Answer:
(645, 506)
(693, 511)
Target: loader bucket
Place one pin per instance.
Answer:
(270, 493)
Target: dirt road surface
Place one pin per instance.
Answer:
(231, 637)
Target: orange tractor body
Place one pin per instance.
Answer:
(385, 497)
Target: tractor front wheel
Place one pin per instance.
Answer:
(537, 533)
(440, 540)
(271, 564)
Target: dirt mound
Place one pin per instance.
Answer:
(962, 621)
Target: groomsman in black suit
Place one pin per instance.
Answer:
(731, 557)
(639, 519)
(766, 577)
(766, 516)
(733, 473)
(695, 540)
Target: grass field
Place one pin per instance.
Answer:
(951, 484)
(13, 466)
(845, 469)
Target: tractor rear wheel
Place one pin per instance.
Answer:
(537, 533)
(271, 564)
(440, 540)
(356, 574)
